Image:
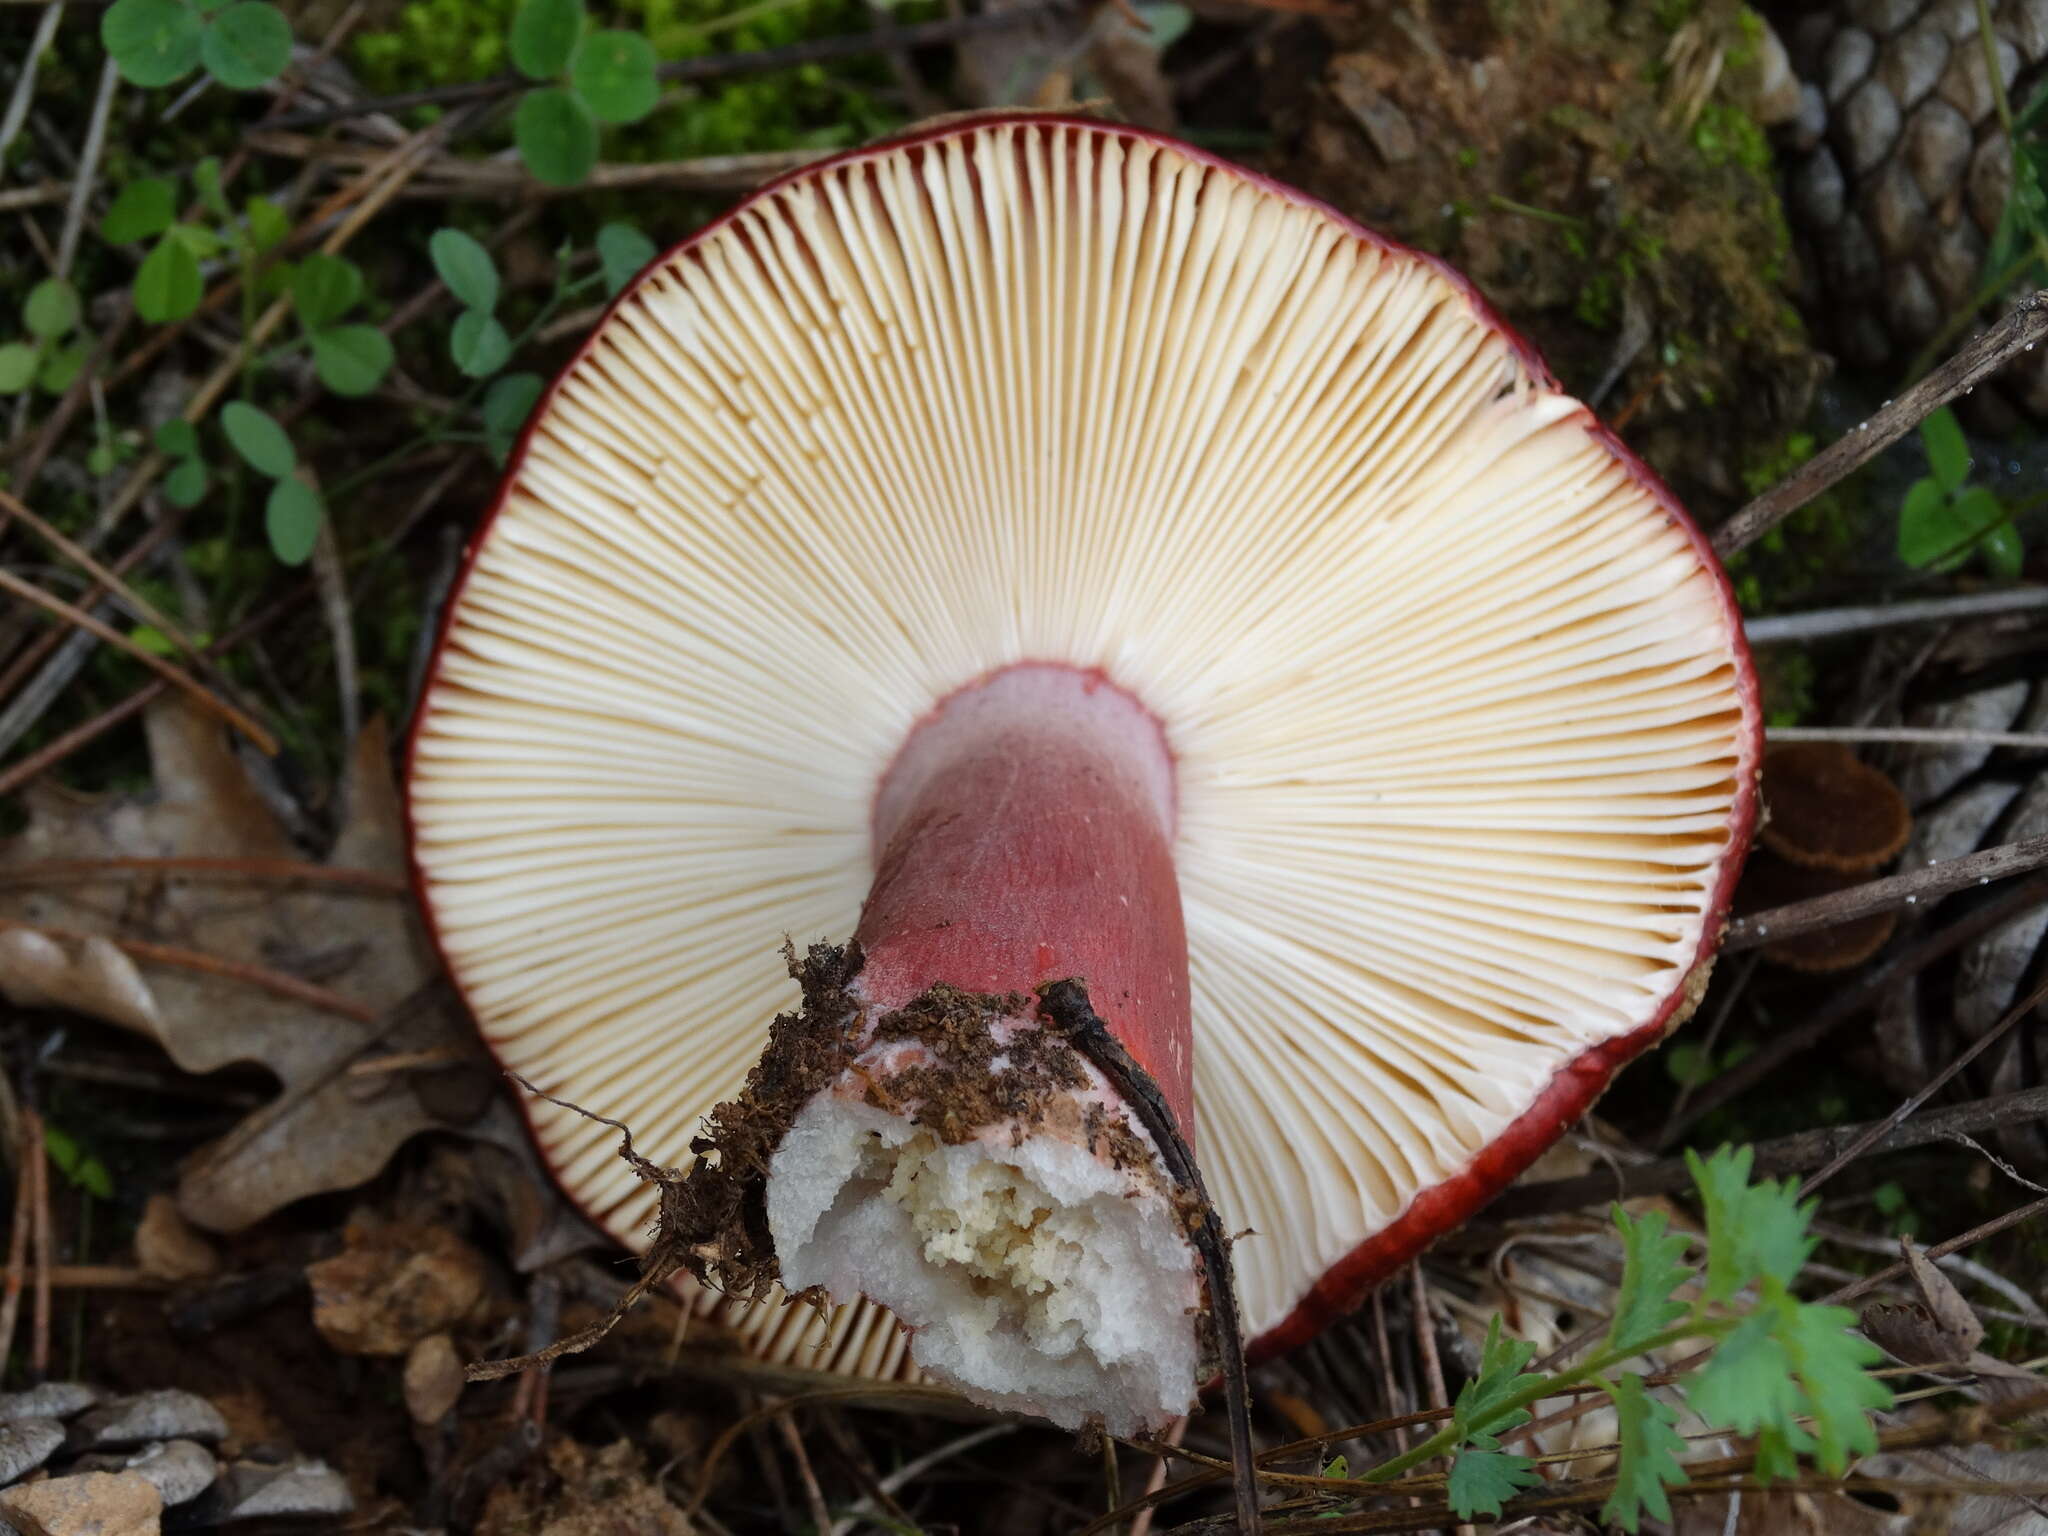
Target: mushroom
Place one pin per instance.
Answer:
(1832, 822)
(1053, 553)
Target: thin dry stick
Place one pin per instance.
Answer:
(1831, 623)
(290, 871)
(17, 1245)
(1908, 735)
(821, 1514)
(1065, 1005)
(2016, 332)
(1784, 1154)
(449, 175)
(912, 1470)
(1927, 884)
(1851, 1000)
(141, 606)
(1976, 1234)
(1898, 1117)
(83, 735)
(38, 1150)
(214, 965)
(1175, 1433)
(175, 676)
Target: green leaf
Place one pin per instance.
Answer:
(206, 182)
(247, 45)
(622, 251)
(466, 268)
(1653, 1267)
(324, 288)
(268, 223)
(1753, 1230)
(1833, 1366)
(1481, 1481)
(62, 1148)
(544, 35)
(257, 437)
(176, 437)
(186, 483)
(1747, 1382)
(614, 73)
(556, 135)
(1977, 511)
(18, 362)
(1165, 24)
(147, 637)
(1926, 531)
(1948, 451)
(292, 519)
(51, 309)
(1650, 1448)
(142, 209)
(1480, 1406)
(60, 366)
(510, 400)
(153, 42)
(168, 285)
(351, 359)
(196, 238)
(2004, 553)
(479, 344)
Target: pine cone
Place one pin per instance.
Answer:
(1897, 170)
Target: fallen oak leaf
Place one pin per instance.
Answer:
(87, 975)
(325, 1130)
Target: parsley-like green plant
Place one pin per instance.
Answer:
(586, 78)
(1789, 1373)
(1945, 519)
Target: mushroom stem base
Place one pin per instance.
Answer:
(975, 1174)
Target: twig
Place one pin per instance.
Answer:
(17, 1243)
(1927, 884)
(2016, 332)
(446, 176)
(25, 82)
(1829, 623)
(1065, 1005)
(716, 66)
(1851, 1000)
(214, 965)
(38, 1159)
(139, 605)
(87, 175)
(1783, 1154)
(821, 1516)
(1898, 1117)
(81, 736)
(1976, 1234)
(912, 1470)
(1908, 735)
(176, 677)
(332, 584)
(291, 871)
(42, 194)
(1175, 1432)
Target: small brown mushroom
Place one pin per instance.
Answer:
(1833, 821)
(1828, 809)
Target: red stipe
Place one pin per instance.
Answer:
(1024, 835)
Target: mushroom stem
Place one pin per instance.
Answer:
(1024, 836)
(967, 1167)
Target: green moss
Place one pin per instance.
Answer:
(1727, 135)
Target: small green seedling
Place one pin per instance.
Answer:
(185, 482)
(158, 42)
(1944, 519)
(588, 78)
(294, 510)
(170, 282)
(52, 352)
(350, 359)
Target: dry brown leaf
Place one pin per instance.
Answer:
(394, 1286)
(325, 1130)
(1944, 1303)
(86, 975)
